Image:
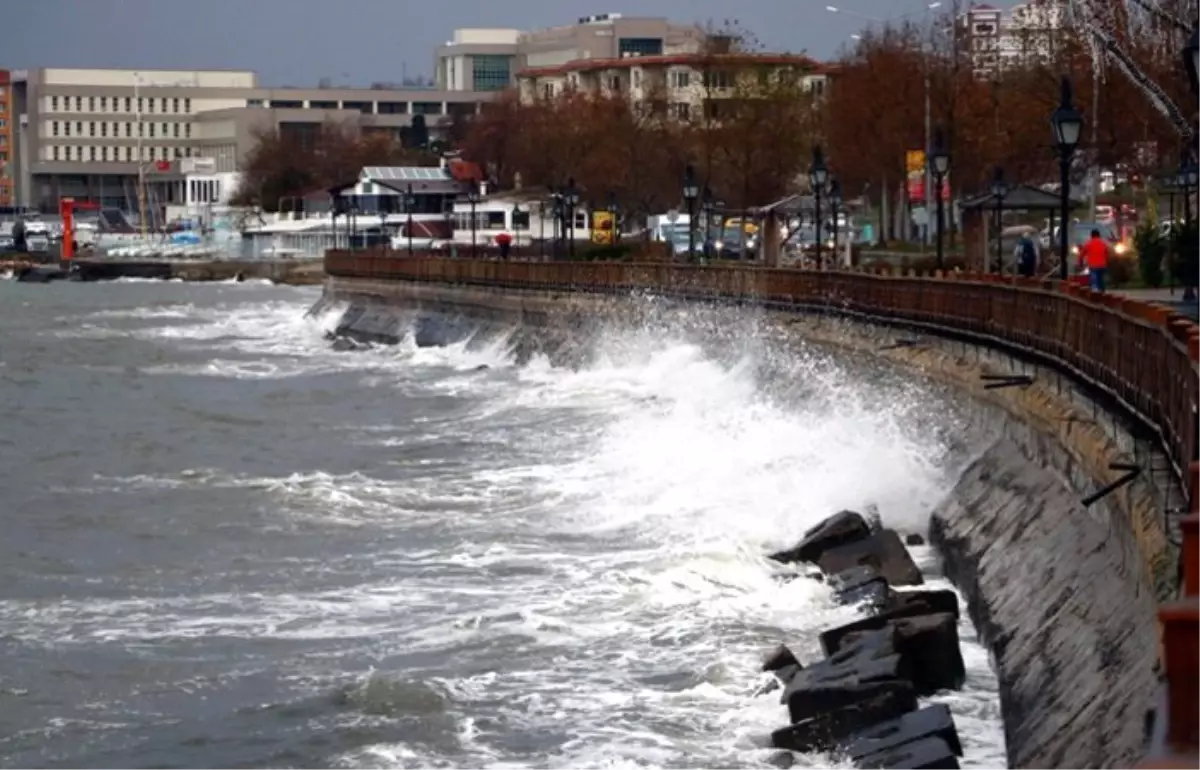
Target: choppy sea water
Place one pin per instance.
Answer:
(227, 545)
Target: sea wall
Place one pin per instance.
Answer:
(1064, 595)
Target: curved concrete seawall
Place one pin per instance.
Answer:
(1064, 595)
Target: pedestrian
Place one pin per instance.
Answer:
(1094, 256)
(1027, 256)
(504, 241)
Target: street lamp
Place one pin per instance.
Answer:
(615, 211)
(835, 203)
(707, 207)
(542, 230)
(999, 191)
(409, 201)
(560, 221)
(571, 199)
(1068, 123)
(940, 161)
(1191, 57)
(473, 199)
(690, 192)
(517, 211)
(818, 174)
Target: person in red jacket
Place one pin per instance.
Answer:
(1094, 254)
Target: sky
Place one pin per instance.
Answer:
(357, 42)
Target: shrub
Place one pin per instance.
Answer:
(1122, 270)
(1184, 264)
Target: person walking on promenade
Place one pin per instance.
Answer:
(1027, 256)
(1094, 255)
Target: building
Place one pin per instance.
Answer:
(686, 82)
(6, 139)
(91, 134)
(485, 60)
(1027, 34)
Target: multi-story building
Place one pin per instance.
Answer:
(489, 59)
(93, 134)
(6, 140)
(685, 82)
(1028, 34)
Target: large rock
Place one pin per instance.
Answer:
(882, 551)
(926, 753)
(831, 639)
(839, 529)
(824, 731)
(931, 722)
(931, 652)
(819, 689)
(860, 585)
(936, 601)
(781, 656)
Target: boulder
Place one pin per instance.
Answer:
(831, 639)
(859, 585)
(882, 551)
(912, 538)
(936, 601)
(825, 731)
(930, 722)
(931, 652)
(788, 673)
(839, 529)
(925, 753)
(780, 657)
(823, 688)
(781, 759)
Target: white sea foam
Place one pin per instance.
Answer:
(610, 562)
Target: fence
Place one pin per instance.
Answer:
(1142, 356)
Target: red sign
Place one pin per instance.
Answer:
(163, 165)
(916, 189)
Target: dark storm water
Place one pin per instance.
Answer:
(226, 545)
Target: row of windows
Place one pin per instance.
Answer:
(105, 129)
(119, 104)
(72, 152)
(204, 190)
(367, 108)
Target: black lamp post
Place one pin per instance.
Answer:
(560, 222)
(409, 201)
(1068, 123)
(999, 192)
(473, 199)
(707, 207)
(542, 230)
(835, 205)
(517, 211)
(571, 199)
(940, 161)
(615, 211)
(690, 192)
(1191, 53)
(1189, 177)
(818, 174)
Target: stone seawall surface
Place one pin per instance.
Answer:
(1063, 595)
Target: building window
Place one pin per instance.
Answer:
(54, 128)
(614, 82)
(254, 102)
(393, 108)
(128, 154)
(128, 104)
(175, 130)
(287, 104)
(79, 104)
(366, 108)
(104, 103)
(150, 130)
(67, 128)
(187, 131)
(681, 110)
(104, 154)
(128, 129)
(178, 152)
(92, 153)
(55, 151)
(718, 79)
(492, 72)
(54, 104)
(640, 46)
(91, 128)
(174, 105)
(427, 108)
(104, 129)
(187, 105)
(547, 90)
(79, 128)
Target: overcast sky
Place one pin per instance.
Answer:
(298, 42)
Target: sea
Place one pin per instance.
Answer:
(225, 543)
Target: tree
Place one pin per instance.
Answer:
(282, 166)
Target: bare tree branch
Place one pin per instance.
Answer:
(1157, 11)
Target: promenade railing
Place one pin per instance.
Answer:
(1143, 356)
